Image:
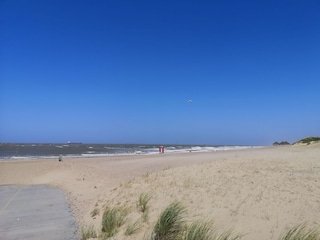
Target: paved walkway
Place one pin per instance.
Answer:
(35, 213)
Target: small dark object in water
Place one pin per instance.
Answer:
(60, 158)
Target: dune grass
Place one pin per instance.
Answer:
(112, 220)
(301, 232)
(170, 223)
(171, 226)
(143, 201)
(88, 232)
(203, 230)
(198, 230)
(145, 216)
(133, 227)
(227, 235)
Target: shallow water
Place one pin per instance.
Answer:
(26, 151)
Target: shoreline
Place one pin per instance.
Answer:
(107, 150)
(239, 188)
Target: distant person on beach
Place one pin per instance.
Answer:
(159, 149)
(162, 149)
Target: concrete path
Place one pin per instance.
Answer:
(35, 213)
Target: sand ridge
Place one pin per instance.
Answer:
(258, 192)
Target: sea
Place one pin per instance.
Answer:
(19, 151)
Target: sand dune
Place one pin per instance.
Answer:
(257, 192)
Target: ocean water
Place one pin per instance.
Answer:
(32, 151)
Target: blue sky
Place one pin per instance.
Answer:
(123, 71)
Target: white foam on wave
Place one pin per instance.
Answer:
(208, 149)
(197, 148)
(171, 148)
(28, 157)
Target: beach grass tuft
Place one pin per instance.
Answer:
(198, 230)
(88, 232)
(112, 219)
(227, 235)
(170, 223)
(143, 201)
(133, 227)
(203, 230)
(145, 216)
(301, 232)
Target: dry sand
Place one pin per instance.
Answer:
(257, 192)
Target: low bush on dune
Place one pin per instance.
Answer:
(309, 140)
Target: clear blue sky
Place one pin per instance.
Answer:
(123, 71)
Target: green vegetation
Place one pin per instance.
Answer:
(301, 232)
(143, 201)
(198, 230)
(309, 140)
(169, 225)
(88, 232)
(145, 216)
(112, 220)
(133, 227)
(228, 235)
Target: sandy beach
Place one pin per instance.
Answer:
(259, 192)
